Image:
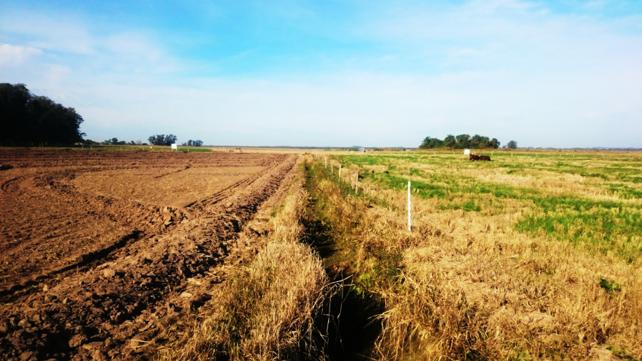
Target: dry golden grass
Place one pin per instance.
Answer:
(467, 285)
(266, 309)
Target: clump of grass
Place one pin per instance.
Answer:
(625, 191)
(267, 311)
(467, 206)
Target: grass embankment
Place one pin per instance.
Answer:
(268, 308)
(469, 283)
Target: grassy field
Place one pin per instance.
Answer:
(535, 255)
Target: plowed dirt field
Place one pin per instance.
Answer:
(95, 247)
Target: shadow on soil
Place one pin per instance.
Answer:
(350, 318)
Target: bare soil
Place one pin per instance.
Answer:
(97, 247)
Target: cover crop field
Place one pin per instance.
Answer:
(535, 255)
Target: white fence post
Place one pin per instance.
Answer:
(409, 209)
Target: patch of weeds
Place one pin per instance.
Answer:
(362, 160)
(363, 282)
(522, 356)
(592, 174)
(194, 149)
(471, 206)
(502, 191)
(553, 203)
(416, 172)
(468, 206)
(424, 190)
(600, 227)
(609, 286)
(621, 353)
(634, 179)
(625, 191)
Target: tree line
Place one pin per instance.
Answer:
(169, 139)
(463, 141)
(157, 139)
(31, 120)
(27, 119)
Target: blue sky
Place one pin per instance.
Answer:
(551, 74)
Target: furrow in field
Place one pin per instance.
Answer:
(84, 261)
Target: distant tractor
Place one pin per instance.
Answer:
(478, 157)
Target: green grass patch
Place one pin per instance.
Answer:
(625, 191)
(362, 160)
(194, 150)
(604, 229)
(468, 206)
(424, 190)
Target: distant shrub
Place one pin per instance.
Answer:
(193, 143)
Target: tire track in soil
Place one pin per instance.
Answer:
(214, 199)
(90, 315)
(8, 183)
(83, 262)
(173, 172)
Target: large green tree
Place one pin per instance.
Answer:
(450, 141)
(463, 141)
(429, 142)
(162, 139)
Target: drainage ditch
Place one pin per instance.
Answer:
(350, 316)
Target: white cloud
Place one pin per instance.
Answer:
(55, 32)
(13, 55)
(79, 43)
